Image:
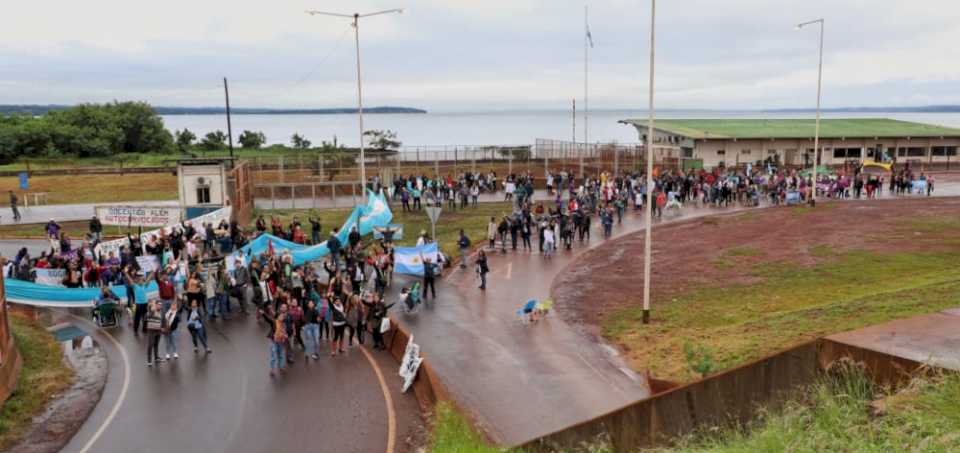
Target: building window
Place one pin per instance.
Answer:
(916, 152)
(845, 153)
(839, 153)
(203, 194)
(944, 151)
(721, 152)
(745, 152)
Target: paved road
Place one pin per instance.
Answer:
(227, 402)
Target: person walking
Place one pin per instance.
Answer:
(429, 272)
(171, 320)
(482, 269)
(311, 331)
(198, 331)
(339, 325)
(278, 344)
(154, 327)
(492, 229)
(13, 206)
(464, 244)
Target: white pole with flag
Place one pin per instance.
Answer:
(587, 44)
(647, 255)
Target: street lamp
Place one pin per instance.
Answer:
(648, 215)
(816, 131)
(356, 31)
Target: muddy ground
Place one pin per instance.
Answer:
(721, 250)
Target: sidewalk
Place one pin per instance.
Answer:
(66, 212)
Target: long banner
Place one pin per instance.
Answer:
(104, 248)
(148, 216)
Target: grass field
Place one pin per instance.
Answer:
(473, 220)
(800, 128)
(97, 188)
(783, 303)
(44, 375)
(839, 415)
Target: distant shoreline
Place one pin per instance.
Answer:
(43, 109)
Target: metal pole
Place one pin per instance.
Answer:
(356, 33)
(226, 92)
(648, 214)
(816, 132)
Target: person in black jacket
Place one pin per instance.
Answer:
(376, 311)
(482, 269)
(96, 230)
(429, 273)
(333, 245)
(464, 244)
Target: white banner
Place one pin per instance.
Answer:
(104, 248)
(148, 216)
(410, 364)
(51, 277)
(148, 263)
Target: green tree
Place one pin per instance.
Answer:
(382, 140)
(253, 140)
(214, 140)
(185, 139)
(300, 142)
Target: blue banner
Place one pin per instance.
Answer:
(28, 293)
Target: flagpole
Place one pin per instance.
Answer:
(586, 91)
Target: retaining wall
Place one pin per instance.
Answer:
(729, 398)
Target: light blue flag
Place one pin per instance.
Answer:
(409, 260)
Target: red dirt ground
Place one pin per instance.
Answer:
(709, 250)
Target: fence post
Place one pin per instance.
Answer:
(436, 166)
(281, 168)
(320, 165)
(333, 193)
(616, 159)
(456, 172)
(313, 195)
(354, 188)
(509, 161)
(273, 200)
(293, 196)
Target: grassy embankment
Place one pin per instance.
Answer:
(473, 220)
(786, 303)
(44, 375)
(95, 188)
(846, 412)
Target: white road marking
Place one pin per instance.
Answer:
(391, 414)
(509, 270)
(123, 390)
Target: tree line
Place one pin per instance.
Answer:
(87, 130)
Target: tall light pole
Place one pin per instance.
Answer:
(356, 33)
(816, 130)
(647, 255)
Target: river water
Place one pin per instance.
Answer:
(483, 128)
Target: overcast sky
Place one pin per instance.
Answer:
(480, 54)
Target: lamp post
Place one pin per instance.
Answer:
(647, 255)
(816, 130)
(356, 33)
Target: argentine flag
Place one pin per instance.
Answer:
(409, 260)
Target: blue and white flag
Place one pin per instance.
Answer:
(409, 260)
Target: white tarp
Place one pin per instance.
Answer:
(147, 216)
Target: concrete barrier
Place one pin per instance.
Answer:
(11, 361)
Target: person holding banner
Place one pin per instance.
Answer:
(171, 320)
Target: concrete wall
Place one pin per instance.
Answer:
(725, 399)
(731, 397)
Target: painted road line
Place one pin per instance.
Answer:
(391, 414)
(509, 270)
(123, 390)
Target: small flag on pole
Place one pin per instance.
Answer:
(589, 36)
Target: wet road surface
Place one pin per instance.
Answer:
(227, 402)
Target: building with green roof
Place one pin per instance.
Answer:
(727, 142)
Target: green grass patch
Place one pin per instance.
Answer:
(44, 375)
(837, 415)
(473, 220)
(743, 251)
(789, 304)
(452, 433)
(821, 251)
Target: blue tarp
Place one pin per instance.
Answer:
(376, 213)
(35, 294)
